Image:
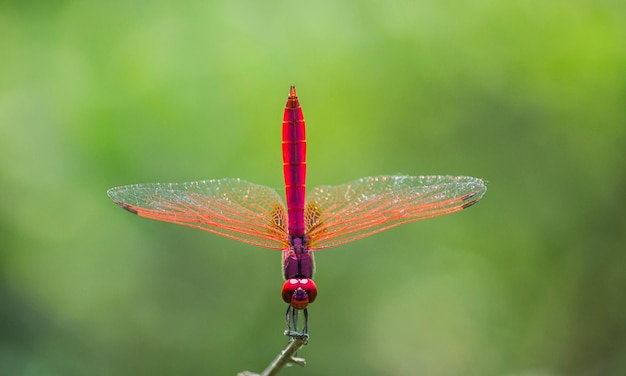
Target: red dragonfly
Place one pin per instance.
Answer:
(326, 216)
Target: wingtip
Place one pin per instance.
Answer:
(471, 198)
(126, 207)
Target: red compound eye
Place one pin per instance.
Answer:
(299, 292)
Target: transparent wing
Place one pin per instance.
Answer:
(233, 208)
(336, 215)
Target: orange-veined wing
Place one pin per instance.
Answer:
(233, 208)
(336, 215)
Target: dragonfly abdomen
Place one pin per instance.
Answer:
(294, 163)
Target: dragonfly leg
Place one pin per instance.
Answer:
(305, 328)
(294, 318)
(289, 319)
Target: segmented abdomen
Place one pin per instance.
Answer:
(294, 163)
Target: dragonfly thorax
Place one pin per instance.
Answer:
(298, 259)
(299, 292)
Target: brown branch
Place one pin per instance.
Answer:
(285, 357)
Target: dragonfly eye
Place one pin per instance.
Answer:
(299, 292)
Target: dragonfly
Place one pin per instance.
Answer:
(325, 217)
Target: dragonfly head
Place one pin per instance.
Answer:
(299, 292)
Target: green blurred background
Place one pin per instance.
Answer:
(529, 95)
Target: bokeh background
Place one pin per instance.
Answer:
(529, 95)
